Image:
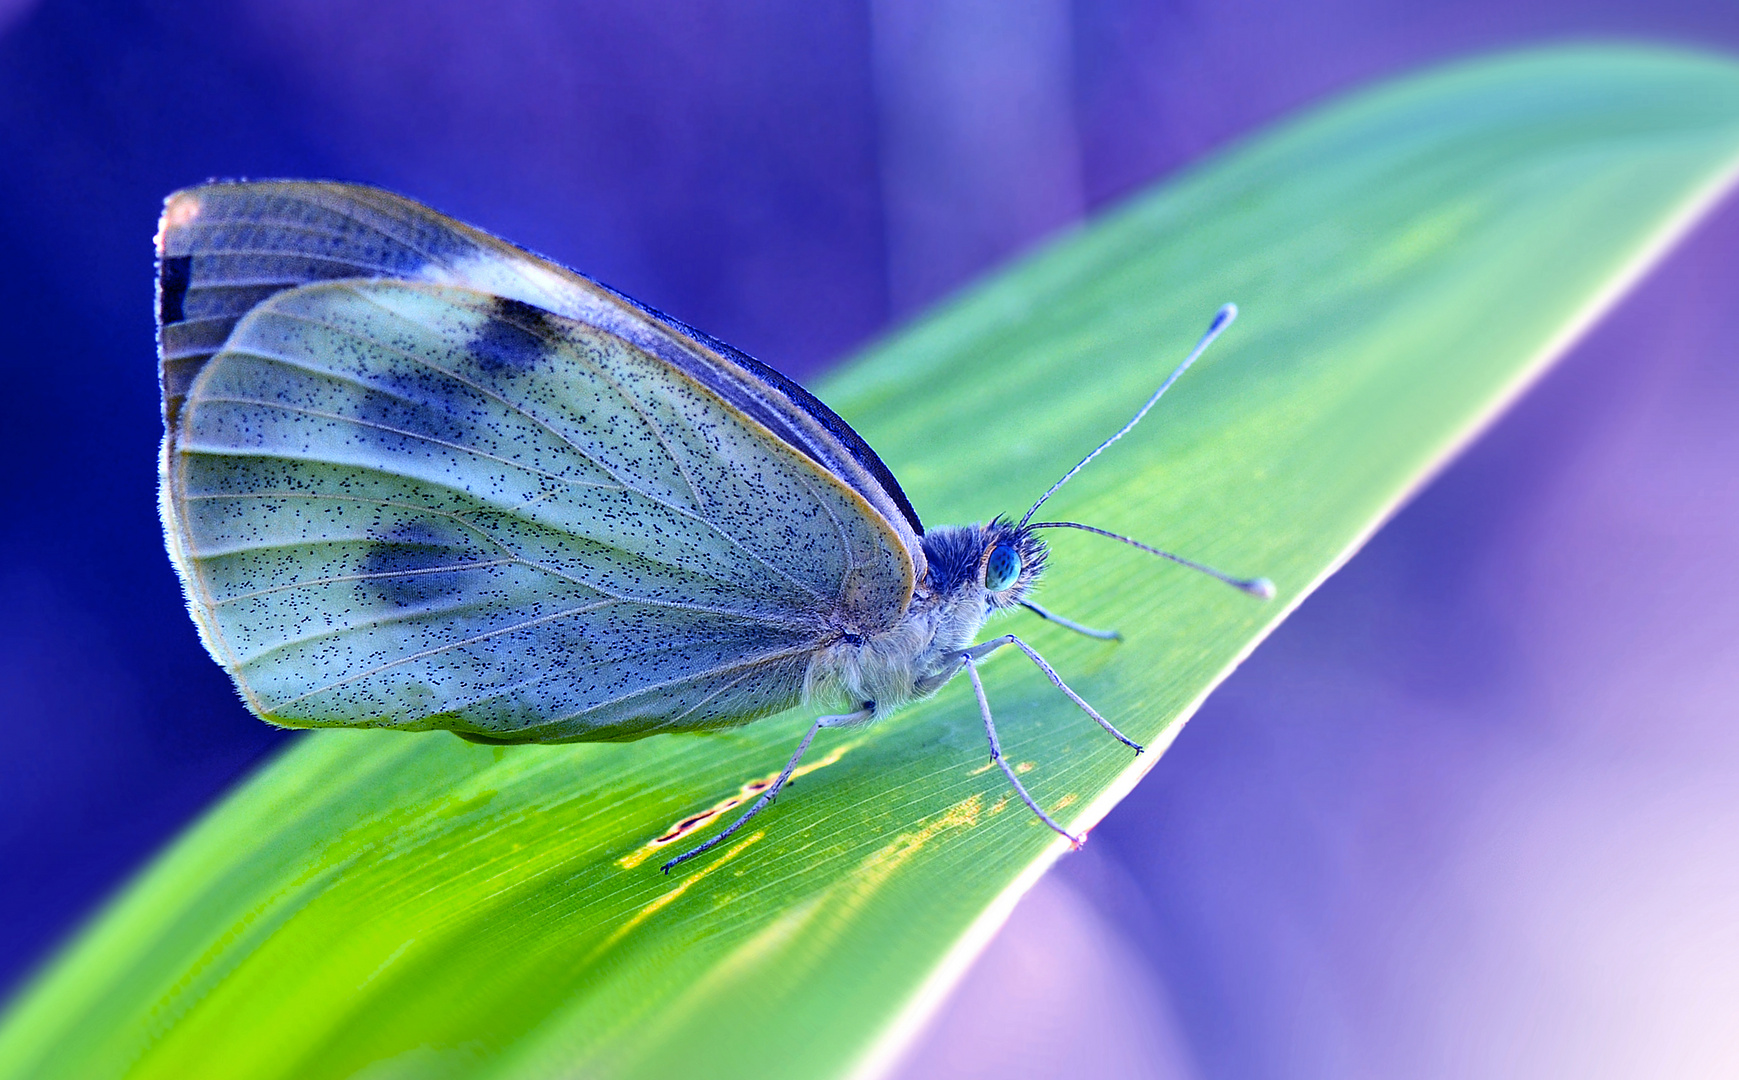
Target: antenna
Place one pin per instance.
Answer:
(1261, 587)
(1222, 319)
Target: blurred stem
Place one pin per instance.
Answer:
(979, 153)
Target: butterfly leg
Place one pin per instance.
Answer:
(1051, 616)
(784, 775)
(996, 755)
(1056, 680)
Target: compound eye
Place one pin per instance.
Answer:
(1002, 568)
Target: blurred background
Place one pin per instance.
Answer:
(1473, 811)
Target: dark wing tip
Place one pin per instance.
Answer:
(174, 275)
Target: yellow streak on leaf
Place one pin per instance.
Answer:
(695, 822)
(821, 918)
(832, 756)
(880, 866)
(665, 900)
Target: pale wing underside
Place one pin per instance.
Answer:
(422, 506)
(226, 247)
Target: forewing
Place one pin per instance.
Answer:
(225, 247)
(424, 506)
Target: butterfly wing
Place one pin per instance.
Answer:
(413, 505)
(225, 247)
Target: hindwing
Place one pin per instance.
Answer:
(419, 505)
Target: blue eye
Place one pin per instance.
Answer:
(1001, 568)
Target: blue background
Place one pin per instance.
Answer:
(1472, 811)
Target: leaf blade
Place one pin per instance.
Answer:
(1407, 262)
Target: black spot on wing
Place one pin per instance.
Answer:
(419, 566)
(173, 278)
(514, 339)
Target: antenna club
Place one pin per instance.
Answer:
(1261, 588)
(1222, 319)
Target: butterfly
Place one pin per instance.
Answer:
(415, 477)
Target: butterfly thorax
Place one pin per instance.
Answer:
(915, 656)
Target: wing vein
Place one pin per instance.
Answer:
(423, 361)
(355, 219)
(609, 599)
(693, 676)
(603, 375)
(845, 544)
(474, 639)
(480, 533)
(520, 410)
(382, 575)
(687, 479)
(387, 429)
(425, 653)
(657, 430)
(550, 676)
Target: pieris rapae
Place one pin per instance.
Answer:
(415, 477)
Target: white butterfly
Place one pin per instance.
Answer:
(415, 477)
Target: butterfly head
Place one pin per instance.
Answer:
(1000, 559)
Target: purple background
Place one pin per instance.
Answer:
(1473, 811)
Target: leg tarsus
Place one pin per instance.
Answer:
(772, 792)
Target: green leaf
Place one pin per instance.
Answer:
(383, 905)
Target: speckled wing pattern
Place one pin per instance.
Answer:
(401, 502)
(225, 247)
